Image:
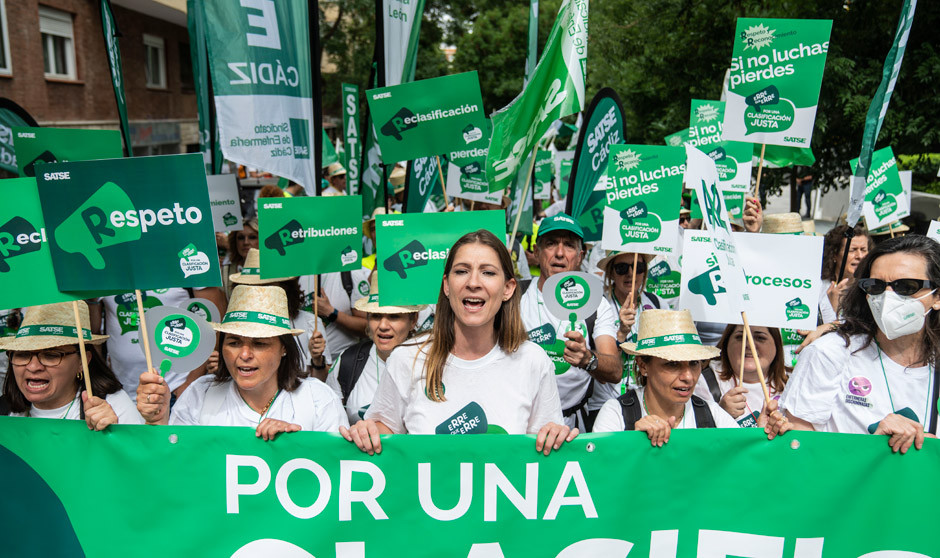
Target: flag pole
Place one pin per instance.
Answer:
(144, 336)
(440, 173)
(633, 281)
(525, 192)
(760, 371)
(81, 347)
(316, 300)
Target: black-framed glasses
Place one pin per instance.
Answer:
(623, 268)
(903, 287)
(46, 357)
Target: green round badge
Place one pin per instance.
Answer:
(177, 335)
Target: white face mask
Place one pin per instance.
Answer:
(897, 315)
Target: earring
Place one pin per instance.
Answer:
(80, 376)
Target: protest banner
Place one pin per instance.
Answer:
(604, 128)
(532, 45)
(26, 274)
(642, 213)
(308, 236)
(543, 172)
(776, 73)
(556, 89)
(352, 153)
(732, 158)
(225, 202)
(412, 248)
(115, 67)
(38, 146)
(233, 495)
(118, 225)
(11, 115)
(427, 117)
(183, 340)
(782, 273)
(934, 230)
(875, 118)
(466, 170)
(885, 199)
(262, 87)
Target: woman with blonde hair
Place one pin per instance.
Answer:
(477, 372)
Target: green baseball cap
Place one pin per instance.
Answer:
(561, 222)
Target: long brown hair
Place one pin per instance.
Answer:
(510, 333)
(776, 376)
(103, 382)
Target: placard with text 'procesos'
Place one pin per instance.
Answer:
(117, 225)
(427, 117)
(309, 235)
(413, 247)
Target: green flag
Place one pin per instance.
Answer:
(427, 117)
(885, 199)
(38, 146)
(555, 90)
(26, 275)
(111, 34)
(776, 72)
(779, 156)
(532, 45)
(199, 54)
(401, 27)
(309, 235)
(543, 172)
(136, 223)
(421, 180)
(328, 151)
(259, 55)
(352, 145)
(412, 248)
(878, 109)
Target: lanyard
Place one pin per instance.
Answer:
(926, 415)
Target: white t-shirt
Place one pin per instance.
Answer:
(610, 417)
(498, 393)
(312, 405)
(331, 284)
(840, 390)
(360, 398)
(754, 396)
(572, 381)
(826, 312)
(333, 191)
(120, 403)
(604, 391)
(125, 354)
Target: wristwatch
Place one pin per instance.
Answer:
(332, 317)
(592, 364)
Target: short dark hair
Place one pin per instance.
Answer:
(103, 381)
(289, 371)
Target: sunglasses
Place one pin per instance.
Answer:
(625, 268)
(903, 287)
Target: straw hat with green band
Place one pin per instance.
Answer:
(251, 272)
(612, 254)
(51, 325)
(370, 303)
(782, 223)
(896, 227)
(669, 334)
(257, 311)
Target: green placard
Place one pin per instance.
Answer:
(677, 139)
(38, 146)
(26, 275)
(732, 158)
(734, 203)
(123, 224)
(564, 177)
(470, 165)
(884, 194)
(642, 213)
(308, 494)
(412, 248)
(309, 235)
(427, 117)
(776, 72)
(352, 146)
(544, 170)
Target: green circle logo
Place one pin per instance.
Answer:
(177, 335)
(200, 309)
(572, 293)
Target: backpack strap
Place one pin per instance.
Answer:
(630, 409)
(346, 278)
(712, 381)
(935, 398)
(351, 363)
(592, 319)
(211, 405)
(580, 404)
(703, 415)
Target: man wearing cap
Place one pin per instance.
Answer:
(583, 356)
(337, 177)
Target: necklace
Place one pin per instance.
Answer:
(65, 414)
(680, 420)
(891, 399)
(264, 411)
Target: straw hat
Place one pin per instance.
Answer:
(368, 227)
(685, 212)
(809, 228)
(897, 226)
(612, 254)
(51, 325)
(397, 179)
(783, 223)
(251, 272)
(257, 311)
(370, 303)
(335, 169)
(669, 334)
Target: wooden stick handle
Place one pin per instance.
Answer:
(316, 300)
(81, 347)
(743, 350)
(440, 173)
(633, 281)
(143, 335)
(760, 168)
(760, 371)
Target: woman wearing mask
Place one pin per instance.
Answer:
(356, 373)
(477, 362)
(877, 372)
